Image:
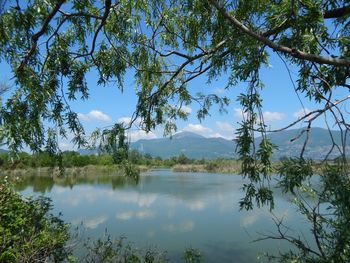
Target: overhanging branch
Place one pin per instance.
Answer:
(277, 47)
(338, 12)
(37, 35)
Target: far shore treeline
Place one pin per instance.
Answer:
(71, 159)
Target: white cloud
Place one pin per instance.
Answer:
(249, 219)
(124, 120)
(142, 214)
(225, 129)
(64, 146)
(183, 108)
(196, 205)
(145, 214)
(185, 226)
(135, 133)
(301, 113)
(273, 116)
(268, 115)
(238, 113)
(142, 200)
(125, 215)
(198, 128)
(140, 134)
(208, 132)
(99, 115)
(94, 115)
(186, 109)
(94, 222)
(224, 126)
(217, 135)
(219, 90)
(83, 117)
(72, 201)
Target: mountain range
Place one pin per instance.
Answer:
(289, 143)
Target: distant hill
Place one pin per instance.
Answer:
(318, 146)
(88, 151)
(3, 151)
(196, 146)
(191, 144)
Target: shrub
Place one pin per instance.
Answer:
(28, 232)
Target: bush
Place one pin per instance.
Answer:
(28, 232)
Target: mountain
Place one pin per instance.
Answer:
(191, 144)
(289, 143)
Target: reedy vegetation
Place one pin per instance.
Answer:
(202, 37)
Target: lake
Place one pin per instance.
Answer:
(170, 211)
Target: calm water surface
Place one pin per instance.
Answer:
(170, 211)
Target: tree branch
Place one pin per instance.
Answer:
(108, 4)
(276, 47)
(315, 114)
(336, 13)
(37, 35)
(82, 14)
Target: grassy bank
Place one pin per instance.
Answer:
(215, 166)
(56, 172)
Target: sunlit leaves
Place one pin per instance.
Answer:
(293, 172)
(114, 142)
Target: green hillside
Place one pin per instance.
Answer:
(192, 145)
(196, 146)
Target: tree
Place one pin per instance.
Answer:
(182, 159)
(209, 38)
(113, 141)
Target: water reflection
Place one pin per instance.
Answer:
(184, 226)
(94, 222)
(40, 184)
(172, 211)
(252, 217)
(141, 214)
(43, 183)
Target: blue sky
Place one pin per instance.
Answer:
(107, 104)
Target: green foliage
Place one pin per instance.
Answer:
(324, 203)
(192, 255)
(293, 172)
(182, 159)
(113, 141)
(256, 160)
(130, 170)
(108, 250)
(28, 232)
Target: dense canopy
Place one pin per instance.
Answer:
(51, 45)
